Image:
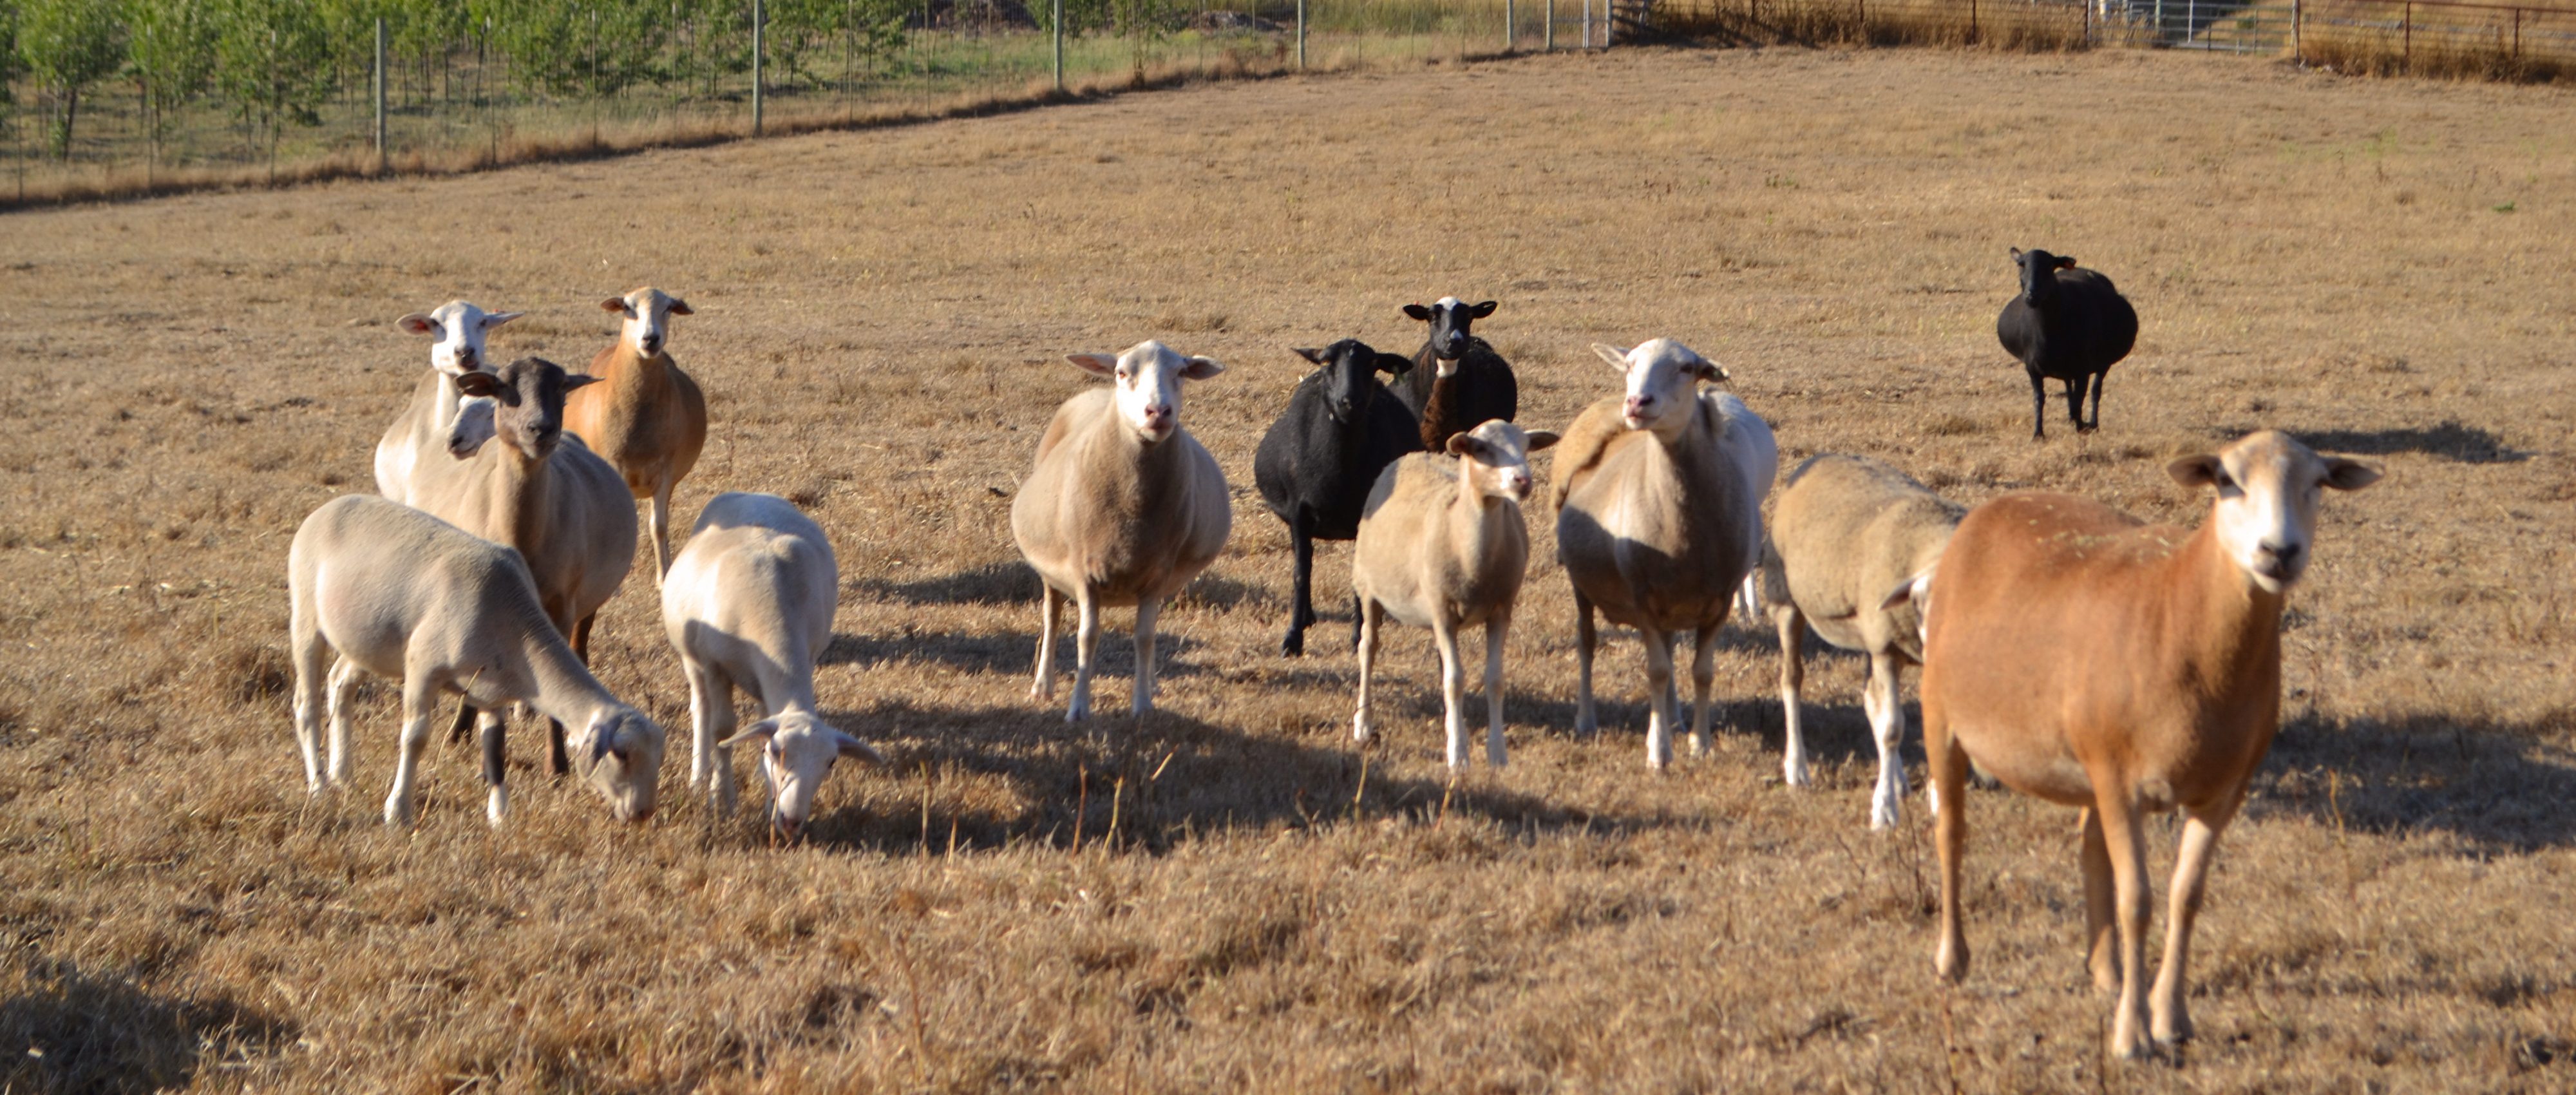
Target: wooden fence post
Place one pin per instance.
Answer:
(1507, 25)
(380, 95)
(1548, 42)
(1057, 13)
(1301, 35)
(759, 31)
(2410, 36)
(2298, 45)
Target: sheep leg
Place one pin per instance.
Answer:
(1887, 724)
(1086, 642)
(1355, 621)
(1301, 614)
(1453, 690)
(1703, 676)
(2075, 405)
(1793, 682)
(464, 724)
(2200, 832)
(496, 805)
(2038, 408)
(1949, 764)
(1585, 638)
(344, 687)
(2101, 953)
(1049, 603)
(661, 521)
(417, 712)
(1495, 631)
(2125, 838)
(2093, 421)
(1148, 610)
(312, 695)
(1659, 698)
(1372, 617)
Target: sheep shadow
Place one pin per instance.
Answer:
(1013, 583)
(2451, 441)
(70, 1030)
(1163, 781)
(1006, 652)
(2495, 785)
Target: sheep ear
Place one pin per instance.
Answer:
(681, 308)
(1200, 368)
(758, 731)
(1097, 364)
(496, 319)
(1468, 445)
(2342, 474)
(1418, 312)
(853, 747)
(1311, 354)
(1710, 371)
(603, 741)
(578, 381)
(613, 304)
(478, 384)
(1394, 364)
(2016, 254)
(2196, 471)
(1617, 357)
(2066, 262)
(1911, 589)
(1540, 439)
(416, 323)
(1483, 310)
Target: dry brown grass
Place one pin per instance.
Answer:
(1254, 904)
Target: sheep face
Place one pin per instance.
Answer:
(796, 752)
(456, 329)
(2039, 274)
(647, 316)
(522, 404)
(1663, 384)
(625, 755)
(1350, 376)
(1494, 458)
(2266, 514)
(1149, 378)
(1449, 319)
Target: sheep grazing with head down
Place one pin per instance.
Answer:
(2082, 656)
(410, 598)
(1123, 507)
(1656, 526)
(1457, 379)
(2068, 325)
(1316, 464)
(1444, 547)
(749, 604)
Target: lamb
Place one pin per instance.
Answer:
(1846, 531)
(1315, 466)
(1444, 547)
(1122, 507)
(405, 596)
(1652, 526)
(748, 604)
(2087, 658)
(2067, 325)
(425, 428)
(1457, 379)
(649, 421)
(541, 493)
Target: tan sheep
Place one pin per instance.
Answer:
(648, 420)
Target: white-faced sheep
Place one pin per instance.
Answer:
(1652, 526)
(1846, 531)
(425, 430)
(1444, 547)
(410, 598)
(749, 604)
(1123, 507)
(2082, 656)
(648, 419)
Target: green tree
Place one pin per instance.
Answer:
(166, 55)
(67, 46)
(594, 47)
(272, 65)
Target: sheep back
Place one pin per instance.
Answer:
(1845, 531)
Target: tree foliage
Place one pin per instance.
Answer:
(67, 45)
(272, 64)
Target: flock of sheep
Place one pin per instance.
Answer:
(2066, 649)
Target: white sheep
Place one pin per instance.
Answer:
(748, 604)
(1123, 507)
(1443, 546)
(408, 597)
(425, 430)
(1755, 452)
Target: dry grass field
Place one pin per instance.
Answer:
(1229, 896)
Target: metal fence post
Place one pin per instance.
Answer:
(1549, 41)
(1301, 35)
(1587, 24)
(380, 95)
(2410, 35)
(2298, 44)
(1058, 15)
(759, 40)
(1508, 13)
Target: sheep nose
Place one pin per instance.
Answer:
(1640, 404)
(788, 828)
(652, 343)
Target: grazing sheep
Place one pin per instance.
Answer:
(410, 598)
(2090, 659)
(748, 604)
(1122, 507)
(1444, 547)
(1652, 526)
(1315, 466)
(2069, 325)
(649, 420)
(1846, 530)
(1457, 379)
(561, 507)
(424, 431)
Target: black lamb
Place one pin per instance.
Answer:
(1315, 466)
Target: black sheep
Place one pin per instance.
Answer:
(1319, 459)
(1458, 382)
(2068, 325)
